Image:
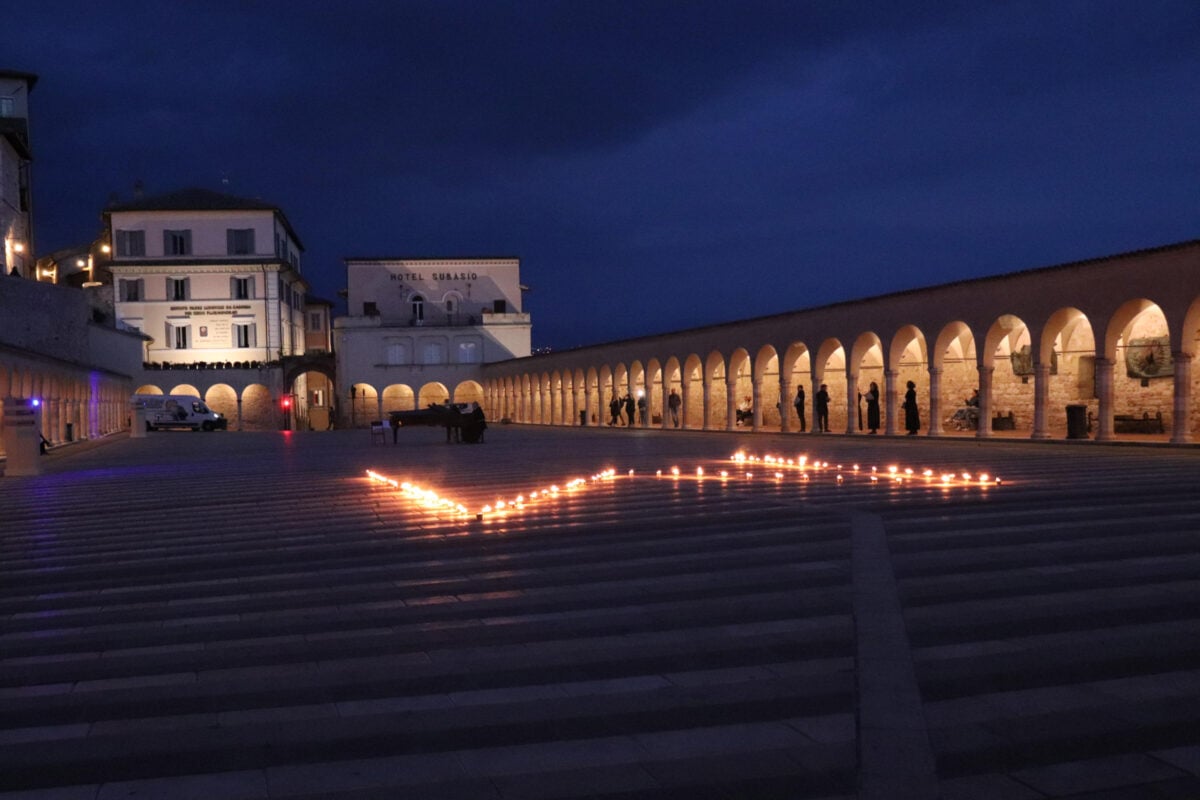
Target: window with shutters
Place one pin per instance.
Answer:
(243, 288)
(131, 243)
(239, 241)
(177, 288)
(243, 334)
(131, 290)
(177, 243)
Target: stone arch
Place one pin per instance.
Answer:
(434, 392)
(692, 384)
(1010, 394)
(1066, 347)
(770, 405)
(148, 388)
(864, 368)
(259, 412)
(1140, 346)
(593, 397)
(908, 360)
(399, 397)
(740, 397)
(955, 364)
(717, 411)
(829, 370)
(223, 398)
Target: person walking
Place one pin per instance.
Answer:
(673, 404)
(800, 409)
(823, 409)
(629, 406)
(873, 408)
(912, 416)
(614, 409)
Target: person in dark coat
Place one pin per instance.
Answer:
(872, 396)
(614, 408)
(629, 410)
(912, 416)
(474, 426)
(823, 409)
(800, 409)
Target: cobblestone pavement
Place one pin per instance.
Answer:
(240, 615)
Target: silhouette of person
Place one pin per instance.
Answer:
(912, 415)
(823, 409)
(799, 403)
(872, 396)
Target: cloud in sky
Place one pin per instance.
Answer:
(655, 165)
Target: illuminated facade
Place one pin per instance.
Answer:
(420, 330)
(208, 278)
(16, 200)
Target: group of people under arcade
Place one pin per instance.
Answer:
(912, 414)
(965, 417)
(629, 406)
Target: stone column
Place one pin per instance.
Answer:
(1041, 399)
(1181, 432)
(730, 403)
(984, 429)
(935, 401)
(785, 403)
(1105, 395)
(685, 394)
(851, 403)
(889, 398)
(239, 412)
(756, 401)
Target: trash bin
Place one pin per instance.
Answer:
(583, 418)
(1077, 422)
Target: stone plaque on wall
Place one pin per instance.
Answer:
(1149, 357)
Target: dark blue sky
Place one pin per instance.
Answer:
(655, 165)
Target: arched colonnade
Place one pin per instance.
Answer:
(1116, 336)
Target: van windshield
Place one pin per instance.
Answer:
(199, 407)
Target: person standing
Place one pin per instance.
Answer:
(641, 403)
(912, 417)
(873, 408)
(800, 408)
(614, 409)
(629, 406)
(823, 409)
(673, 404)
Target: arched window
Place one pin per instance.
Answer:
(418, 309)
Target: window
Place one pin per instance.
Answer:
(131, 290)
(8, 106)
(179, 338)
(243, 334)
(131, 243)
(177, 288)
(397, 353)
(370, 309)
(241, 288)
(239, 241)
(314, 321)
(418, 309)
(433, 353)
(177, 243)
(468, 353)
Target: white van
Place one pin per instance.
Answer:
(177, 411)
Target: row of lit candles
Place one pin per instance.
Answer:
(776, 466)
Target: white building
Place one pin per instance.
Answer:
(208, 278)
(16, 203)
(419, 330)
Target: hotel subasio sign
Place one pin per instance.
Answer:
(419, 277)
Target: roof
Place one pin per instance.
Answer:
(197, 199)
(29, 78)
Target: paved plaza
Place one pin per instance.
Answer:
(248, 615)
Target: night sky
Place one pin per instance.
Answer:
(655, 165)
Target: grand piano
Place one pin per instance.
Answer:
(463, 421)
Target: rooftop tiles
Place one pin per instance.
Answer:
(248, 615)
